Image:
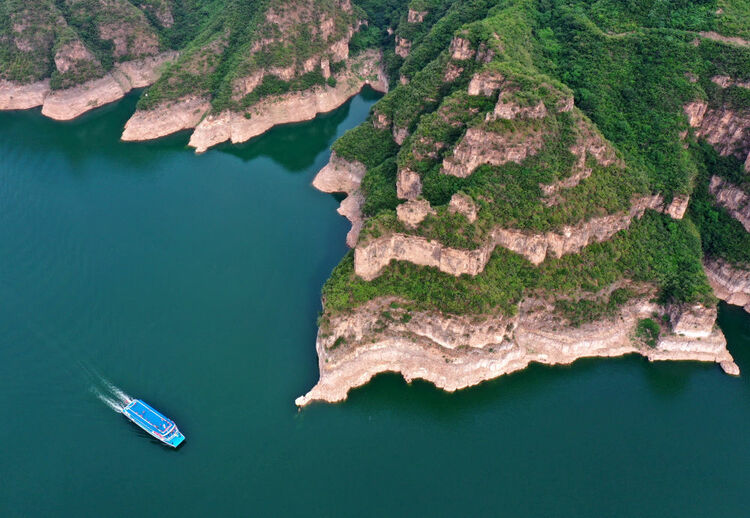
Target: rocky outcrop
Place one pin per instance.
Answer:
(511, 110)
(455, 352)
(679, 205)
(293, 107)
(461, 49)
(408, 184)
(732, 198)
(464, 205)
(145, 71)
(730, 283)
(403, 46)
(726, 129)
(370, 258)
(479, 146)
(345, 176)
(726, 82)
(71, 102)
(486, 83)
(414, 16)
(166, 119)
(16, 96)
(693, 321)
(413, 212)
(588, 142)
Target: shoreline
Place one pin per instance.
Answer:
(456, 352)
(70, 103)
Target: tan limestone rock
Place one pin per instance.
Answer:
(414, 16)
(692, 321)
(678, 206)
(463, 204)
(732, 198)
(166, 119)
(17, 96)
(454, 352)
(461, 49)
(403, 46)
(413, 212)
(408, 185)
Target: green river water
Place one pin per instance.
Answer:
(193, 282)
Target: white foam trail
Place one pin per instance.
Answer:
(111, 403)
(121, 396)
(113, 391)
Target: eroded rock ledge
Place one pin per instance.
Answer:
(72, 102)
(732, 198)
(288, 108)
(723, 128)
(345, 176)
(376, 254)
(730, 283)
(456, 352)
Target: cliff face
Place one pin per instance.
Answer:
(458, 352)
(730, 283)
(72, 102)
(293, 107)
(726, 129)
(342, 176)
(732, 198)
(370, 258)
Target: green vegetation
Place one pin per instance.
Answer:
(648, 331)
(721, 235)
(630, 66)
(580, 311)
(655, 250)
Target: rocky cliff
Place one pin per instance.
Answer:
(732, 198)
(69, 103)
(293, 107)
(342, 176)
(459, 352)
(371, 257)
(730, 283)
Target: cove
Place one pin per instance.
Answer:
(194, 282)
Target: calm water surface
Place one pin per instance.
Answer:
(194, 282)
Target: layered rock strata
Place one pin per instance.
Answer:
(454, 352)
(727, 130)
(69, 103)
(730, 283)
(294, 107)
(166, 119)
(732, 198)
(370, 258)
(344, 176)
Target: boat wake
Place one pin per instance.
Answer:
(110, 394)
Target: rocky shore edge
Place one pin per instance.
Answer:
(67, 104)
(455, 352)
(213, 129)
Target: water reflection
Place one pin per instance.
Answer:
(96, 134)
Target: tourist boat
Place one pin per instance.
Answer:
(153, 422)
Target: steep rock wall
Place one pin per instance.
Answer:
(732, 198)
(376, 254)
(288, 108)
(345, 176)
(457, 352)
(72, 102)
(730, 283)
(727, 130)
